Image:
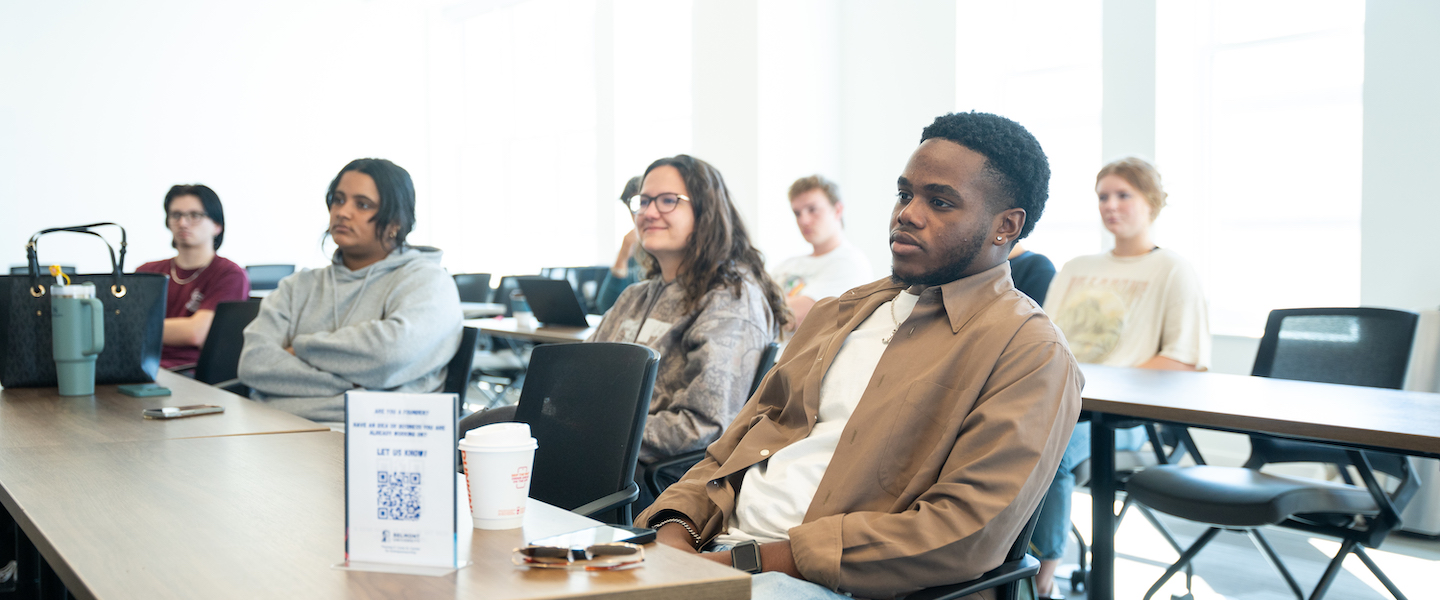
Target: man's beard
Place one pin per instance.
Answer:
(958, 261)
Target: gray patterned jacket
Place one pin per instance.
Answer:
(707, 357)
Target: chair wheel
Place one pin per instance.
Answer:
(1186, 596)
(1078, 577)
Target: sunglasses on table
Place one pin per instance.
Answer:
(599, 557)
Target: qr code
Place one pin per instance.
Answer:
(399, 496)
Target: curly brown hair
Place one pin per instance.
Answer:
(719, 252)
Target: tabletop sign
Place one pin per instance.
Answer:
(400, 483)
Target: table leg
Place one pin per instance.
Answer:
(1102, 501)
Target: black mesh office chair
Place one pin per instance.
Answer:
(220, 356)
(1353, 346)
(267, 277)
(1168, 446)
(457, 373)
(1017, 566)
(500, 361)
(473, 287)
(586, 281)
(678, 465)
(586, 405)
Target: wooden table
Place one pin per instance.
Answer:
(263, 517)
(1362, 417)
(553, 334)
(478, 310)
(41, 417)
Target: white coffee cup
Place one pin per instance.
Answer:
(498, 458)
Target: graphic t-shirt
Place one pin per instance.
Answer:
(1122, 311)
(823, 276)
(220, 281)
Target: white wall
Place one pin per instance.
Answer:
(105, 105)
(897, 74)
(1399, 248)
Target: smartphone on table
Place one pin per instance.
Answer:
(174, 412)
(600, 534)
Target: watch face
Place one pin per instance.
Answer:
(746, 557)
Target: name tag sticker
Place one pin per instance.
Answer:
(651, 331)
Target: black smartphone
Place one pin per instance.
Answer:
(600, 534)
(144, 390)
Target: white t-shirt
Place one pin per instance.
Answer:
(1122, 311)
(776, 493)
(829, 274)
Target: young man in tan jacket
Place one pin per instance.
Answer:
(914, 423)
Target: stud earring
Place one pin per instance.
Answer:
(999, 239)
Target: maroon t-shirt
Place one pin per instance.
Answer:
(220, 281)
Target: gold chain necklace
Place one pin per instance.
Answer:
(176, 278)
(886, 340)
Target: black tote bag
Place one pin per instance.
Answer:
(134, 320)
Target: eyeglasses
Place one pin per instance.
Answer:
(599, 557)
(194, 217)
(664, 203)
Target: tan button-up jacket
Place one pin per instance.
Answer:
(948, 452)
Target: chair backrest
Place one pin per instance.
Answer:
(1352, 346)
(767, 361)
(220, 356)
(586, 281)
(473, 287)
(508, 283)
(267, 277)
(457, 373)
(586, 405)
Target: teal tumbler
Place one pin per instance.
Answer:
(77, 321)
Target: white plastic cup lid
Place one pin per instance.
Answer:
(500, 435)
(79, 290)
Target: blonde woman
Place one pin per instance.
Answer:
(1138, 305)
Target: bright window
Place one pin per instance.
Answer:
(1038, 63)
(1258, 137)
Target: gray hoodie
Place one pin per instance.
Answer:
(393, 326)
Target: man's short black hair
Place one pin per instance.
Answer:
(208, 199)
(397, 195)
(1013, 155)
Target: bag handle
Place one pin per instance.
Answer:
(32, 256)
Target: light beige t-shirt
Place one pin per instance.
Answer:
(1122, 311)
(823, 276)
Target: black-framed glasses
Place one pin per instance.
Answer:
(193, 216)
(599, 557)
(663, 203)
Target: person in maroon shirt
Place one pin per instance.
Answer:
(199, 279)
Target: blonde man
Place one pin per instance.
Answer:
(834, 265)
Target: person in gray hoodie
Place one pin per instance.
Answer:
(383, 316)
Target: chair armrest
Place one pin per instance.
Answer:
(1009, 572)
(652, 470)
(609, 501)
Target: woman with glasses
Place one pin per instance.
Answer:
(706, 305)
(383, 315)
(199, 279)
